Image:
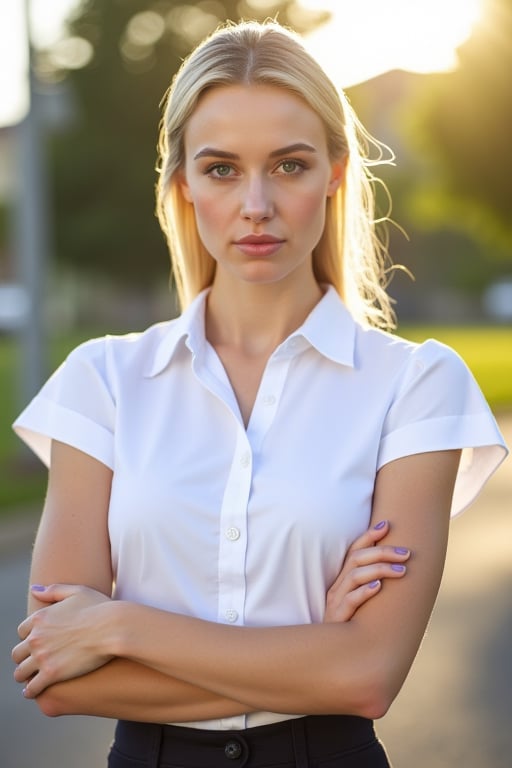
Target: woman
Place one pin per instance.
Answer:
(217, 468)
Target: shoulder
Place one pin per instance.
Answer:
(112, 355)
(397, 357)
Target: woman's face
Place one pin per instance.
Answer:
(258, 174)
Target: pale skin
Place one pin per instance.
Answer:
(256, 164)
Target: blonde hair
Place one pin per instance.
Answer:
(349, 255)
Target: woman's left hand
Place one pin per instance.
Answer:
(63, 640)
(367, 563)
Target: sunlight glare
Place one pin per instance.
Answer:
(369, 37)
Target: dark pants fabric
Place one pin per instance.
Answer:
(330, 741)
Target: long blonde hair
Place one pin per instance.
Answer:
(349, 255)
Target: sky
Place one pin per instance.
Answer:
(364, 38)
(46, 21)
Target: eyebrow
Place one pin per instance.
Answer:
(212, 152)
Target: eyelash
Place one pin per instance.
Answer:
(300, 167)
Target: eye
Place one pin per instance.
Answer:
(219, 171)
(291, 167)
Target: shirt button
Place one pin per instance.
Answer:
(233, 534)
(231, 615)
(233, 750)
(269, 400)
(245, 459)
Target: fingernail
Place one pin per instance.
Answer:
(398, 568)
(37, 587)
(401, 550)
(374, 584)
(380, 525)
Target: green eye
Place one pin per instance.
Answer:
(289, 166)
(222, 170)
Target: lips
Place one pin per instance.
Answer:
(259, 245)
(258, 239)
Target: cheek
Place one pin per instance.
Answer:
(209, 212)
(309, 209)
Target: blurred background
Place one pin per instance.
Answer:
(81, 253)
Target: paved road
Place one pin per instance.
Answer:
(454, 711)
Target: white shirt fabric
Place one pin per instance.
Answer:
(250, 526)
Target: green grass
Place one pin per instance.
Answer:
(487, 351)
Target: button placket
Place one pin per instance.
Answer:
(233, 541)
(267, 402)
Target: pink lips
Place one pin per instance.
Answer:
(259, 245)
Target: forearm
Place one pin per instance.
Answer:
(123, 689)
(282, 669)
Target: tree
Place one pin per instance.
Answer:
(462, 128)
(103, 165)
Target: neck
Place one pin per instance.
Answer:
(255, 319)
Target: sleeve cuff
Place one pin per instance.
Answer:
(477, 435)
(43, 421)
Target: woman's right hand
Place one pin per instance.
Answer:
(366, 564)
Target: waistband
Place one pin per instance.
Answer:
(291, 742)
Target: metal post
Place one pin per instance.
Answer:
(32, 236)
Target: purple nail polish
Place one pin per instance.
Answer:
(380, 525)
(38, 587)
(398, 568)
(401, 551)
(374, 584)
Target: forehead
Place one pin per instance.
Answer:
(243, 114)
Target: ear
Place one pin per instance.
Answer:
(183, 185)
(338, 174)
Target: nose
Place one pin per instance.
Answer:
(256, 204)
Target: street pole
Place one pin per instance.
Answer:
(31, 234)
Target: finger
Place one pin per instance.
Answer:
(353, 601)
(35, 686)
(27, 625)
(54, 593)
(20, 652)
(364, 575)
(374, 555)
(370, 536)
(377, 554)
(25, 670)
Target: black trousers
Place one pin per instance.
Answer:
(330, 741)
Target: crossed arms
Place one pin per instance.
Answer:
(82, 653)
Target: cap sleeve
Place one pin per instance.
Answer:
(439, 406)
(75, 406)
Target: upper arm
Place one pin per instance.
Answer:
(414, 493)
(72, 544)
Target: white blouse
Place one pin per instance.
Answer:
(250, 526)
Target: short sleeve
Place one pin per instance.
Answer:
(75, 406)
(438, 405)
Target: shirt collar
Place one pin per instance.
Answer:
(189, 326)
(329, 328)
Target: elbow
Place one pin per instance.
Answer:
(369, 696)
(376, 703)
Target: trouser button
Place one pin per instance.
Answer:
(233, 750)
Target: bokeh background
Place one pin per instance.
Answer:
(81, 254)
